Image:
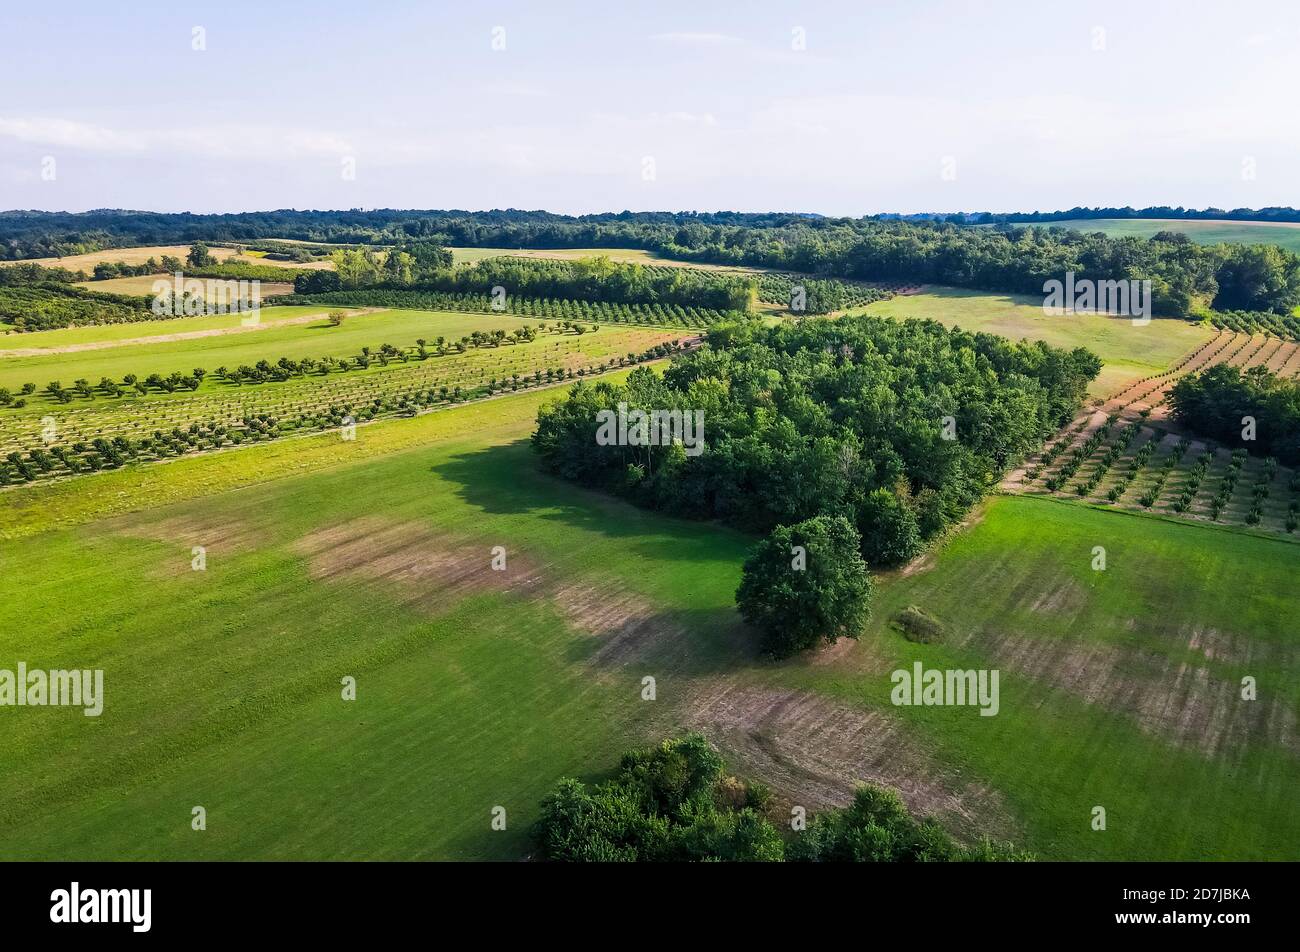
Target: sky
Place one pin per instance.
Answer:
(838, 108)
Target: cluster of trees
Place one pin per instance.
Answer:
(899, 427)
(36, 298)
(1185, 277)
(198, 263)
(1217, 401)
(418, 264)
(592, 279)
(676, 803)
(821, 296)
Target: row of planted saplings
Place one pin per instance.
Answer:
(105, 452)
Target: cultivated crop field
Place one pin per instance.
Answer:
(100, 427)
(1124, 454)
(173, 345)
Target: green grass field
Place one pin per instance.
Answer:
(469, 695)
(1204, 232)
(370, 559)
(1120, 688)
(1128, 352)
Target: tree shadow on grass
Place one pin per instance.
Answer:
(507, 479)
(669, 644)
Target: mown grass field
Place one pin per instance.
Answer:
(223, 688)
(1129, 352)
(1285, 234)
(371, 559)
(1120, 688)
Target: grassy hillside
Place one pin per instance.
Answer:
(1119, 688)
(1129, 352)
(477, 688)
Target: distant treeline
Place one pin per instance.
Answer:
(899, 426)
(592, 279)
(1254, 409)
(1186, 277)
(1271, 213)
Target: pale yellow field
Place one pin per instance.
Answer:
(87, 262)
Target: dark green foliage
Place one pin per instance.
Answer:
(1214, 402)
(317, 282)
(876, 828)
(806, 584)
(675, 802)
(842, 417)
(667, 803)
(39, 307)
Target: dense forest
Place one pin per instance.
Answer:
(1217, 402)
(676, 803)
(897, 426)
(1186, 277)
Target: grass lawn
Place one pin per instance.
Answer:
(1129, 352)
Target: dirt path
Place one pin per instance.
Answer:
(1148, 394)
(181, 335)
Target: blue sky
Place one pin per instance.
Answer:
(888, 106)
